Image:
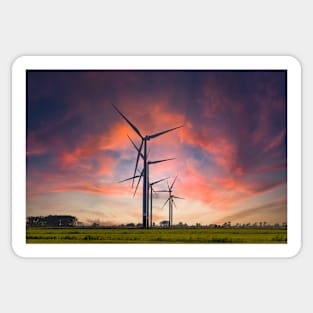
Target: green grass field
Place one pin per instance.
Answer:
(189, 235)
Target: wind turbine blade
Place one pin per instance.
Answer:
(165, 203)
(158, 181)
(135, 146)
(161, 191)
(178, 197)
(174, 203)
(173, 182)
(137, 185)
(128, 121)
(129, 178)
(164, 132)
(168, 185)
(137, 160)
(159, 161)
(155, 193)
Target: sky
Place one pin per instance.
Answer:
(231, 153)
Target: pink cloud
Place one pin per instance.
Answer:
(220, 146)
(276, 140)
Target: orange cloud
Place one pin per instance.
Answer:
(88, 187)
(200, 187)
(229, 183)
(221, 147)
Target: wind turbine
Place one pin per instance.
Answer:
(144, 144)
(149, 212)
(151, 195)
(170, 201)
(150, 190)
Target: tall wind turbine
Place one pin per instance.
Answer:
(150, 190)
(170, 201)
(144, 144)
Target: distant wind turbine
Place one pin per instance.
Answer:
(170, 201)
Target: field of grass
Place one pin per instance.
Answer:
(121, 235)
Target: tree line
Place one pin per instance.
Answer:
(72, 221)
(52, 221)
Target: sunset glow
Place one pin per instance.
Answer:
(231, 157)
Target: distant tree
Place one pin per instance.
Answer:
(164, 224)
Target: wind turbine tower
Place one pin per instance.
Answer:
(151, 196)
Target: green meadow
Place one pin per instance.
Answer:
(155, 235)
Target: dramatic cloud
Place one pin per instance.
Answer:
(230, 154)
